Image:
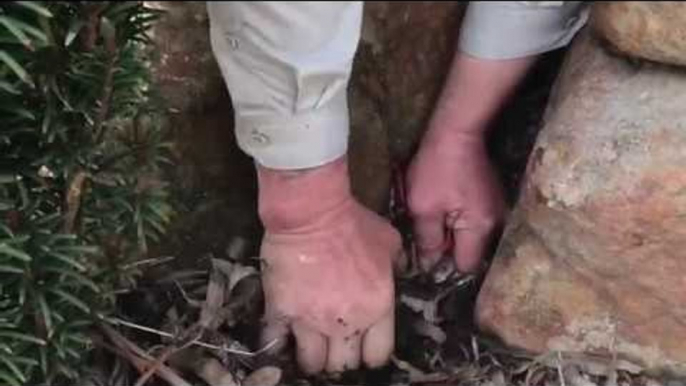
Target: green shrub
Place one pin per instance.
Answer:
(81, 187)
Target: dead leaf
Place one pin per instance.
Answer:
(575, 378)
(407, 367)
(426, 329)
(534, 376)
(443, 270)
(591, 364)
(628, 367)
(214, 300)
(498, 379)
(416, 375)
(428, 308)
(265, 376)
(212, 372)
(235, 272)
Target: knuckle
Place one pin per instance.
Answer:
(420, 203)
(377, 361)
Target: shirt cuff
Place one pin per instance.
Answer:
(501, 30)
(301, 141)
(287, 66)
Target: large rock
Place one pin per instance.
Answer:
(594, 256)
(654, 30)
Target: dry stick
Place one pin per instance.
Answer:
(195, 343)
(159, 362)
(74, 192)
(191, 302)
(151, 261)
(108, 86)
(124, 344)
(137, 362)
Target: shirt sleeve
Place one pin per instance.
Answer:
(511, 29)
(287, 67)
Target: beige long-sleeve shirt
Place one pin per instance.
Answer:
(287, 65)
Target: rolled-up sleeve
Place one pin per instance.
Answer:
(514, 29)
(287, 67)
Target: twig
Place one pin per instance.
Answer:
(191, 302)
(139, 358)
(136, 361)
(153, 261)
(92, 15)
(559, 369)
(159, 362)
(475, 349)
(199, 343)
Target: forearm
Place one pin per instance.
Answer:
(473, 93)
(499, 42)
(287, 66)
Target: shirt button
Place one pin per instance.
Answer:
(233, 43)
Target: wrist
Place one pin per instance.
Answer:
(453, 123)
(292, 200)
(451, 136)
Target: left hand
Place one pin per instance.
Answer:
(454, 198)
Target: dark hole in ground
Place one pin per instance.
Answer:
(516, 129)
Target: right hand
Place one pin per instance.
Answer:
(328, 274)
(455, 198)
(454, 194)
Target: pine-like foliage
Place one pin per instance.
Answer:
(81, 193)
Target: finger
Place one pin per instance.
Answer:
(401, 261)
(274, 335)
(378, 342)
(431, 238)
(311, 348)
(344, 353)
(470, 248)
(399, 258)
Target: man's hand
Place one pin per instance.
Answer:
(327, 274)
(456, 200)
(454, 195)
